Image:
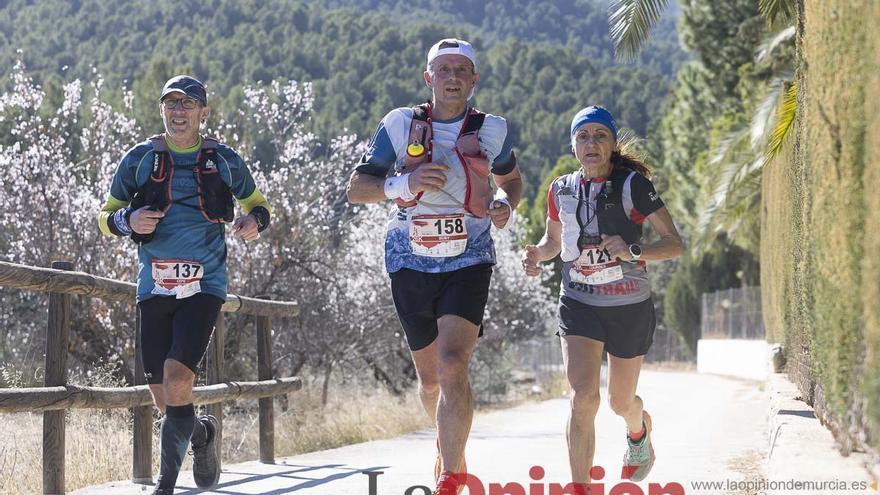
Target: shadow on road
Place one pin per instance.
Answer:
(298, 473)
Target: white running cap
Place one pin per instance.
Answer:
(452, 46)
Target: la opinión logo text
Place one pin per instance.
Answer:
(476, 486)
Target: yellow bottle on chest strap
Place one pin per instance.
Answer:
(415, 149)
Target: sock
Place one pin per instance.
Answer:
(177, 428)
(635, 437)
(200, 433)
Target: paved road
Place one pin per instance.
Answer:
(707, 428)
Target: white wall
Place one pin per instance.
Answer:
(733, 357)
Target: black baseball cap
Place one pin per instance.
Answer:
(186, 85)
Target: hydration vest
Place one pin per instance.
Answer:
(215, 197)
(419, 150)
(611, 216)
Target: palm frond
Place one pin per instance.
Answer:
(739, 158)
(736, 197)
(778, 9)
(728, 174)
(630, 24)
(766, 48)
(730, 147)
(784, 121)
(766, 113)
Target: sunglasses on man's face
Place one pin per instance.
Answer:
(186, 103)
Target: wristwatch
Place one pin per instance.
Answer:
(635, 251)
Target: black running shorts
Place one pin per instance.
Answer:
(421, 298)
(178, 329)
(627, 331)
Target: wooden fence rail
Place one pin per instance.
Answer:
(57, 395)
(58, 281)
(42, 399)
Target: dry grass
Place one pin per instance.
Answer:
(99, 442)
(352, 415)
(98, 449)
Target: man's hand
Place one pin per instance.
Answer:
(530, 260)
(429, 177)
(246, 228)
(616, 247)
(499, 212)
(144, 220)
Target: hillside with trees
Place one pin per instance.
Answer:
(361, 58)
(297, 87)
(92, 70)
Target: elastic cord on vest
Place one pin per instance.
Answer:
(398, 187)
(583, 238)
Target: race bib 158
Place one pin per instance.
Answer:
(438, 236)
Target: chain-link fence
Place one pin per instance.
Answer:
(509, 372)
(535, 368)
(543, 357)
(668, 346)
(733, 314)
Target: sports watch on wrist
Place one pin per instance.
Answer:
(635, 251)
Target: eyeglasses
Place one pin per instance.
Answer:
(186, 103)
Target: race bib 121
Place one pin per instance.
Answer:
(595, 267)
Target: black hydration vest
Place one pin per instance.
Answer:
(612, 217)
(215, 197)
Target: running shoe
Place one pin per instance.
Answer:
(639, 457)
(438, 466)
(449, 483)
(206, 469)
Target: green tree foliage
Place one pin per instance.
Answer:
(722, 37)
(631, 24)
(364, 57)
(578, 24)
(706, 147)
(724, 267)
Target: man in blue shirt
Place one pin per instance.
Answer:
(172, 194)
(434, 161)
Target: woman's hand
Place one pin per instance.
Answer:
(616, 247)
(530, 258)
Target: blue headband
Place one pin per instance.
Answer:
(595, 114)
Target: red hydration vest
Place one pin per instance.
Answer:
(419, 150)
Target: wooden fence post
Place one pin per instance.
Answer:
(267, 404)
(214, 361)
(57, 336)
(142, 458)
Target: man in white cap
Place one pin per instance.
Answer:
(434, 160)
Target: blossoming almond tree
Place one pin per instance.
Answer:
(319, 250)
